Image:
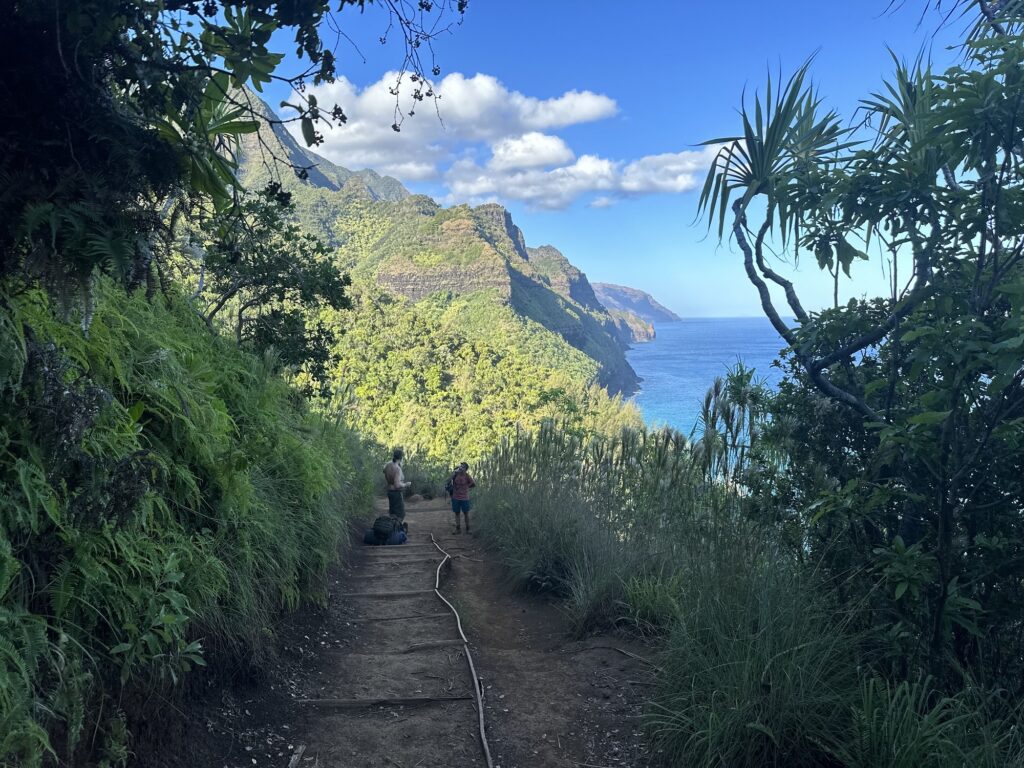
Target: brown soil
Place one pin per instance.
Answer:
(549, 700)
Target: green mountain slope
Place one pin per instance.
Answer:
(461, 334)
(412, 247)
(415, 249)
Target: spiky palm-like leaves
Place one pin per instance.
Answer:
(784, 141)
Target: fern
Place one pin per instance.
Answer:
(174, 495)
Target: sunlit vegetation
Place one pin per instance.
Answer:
(451, 377)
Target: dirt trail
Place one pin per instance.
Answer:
(385, 637)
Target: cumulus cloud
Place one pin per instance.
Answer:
(531, 150)
(486, 142)
(670, 172)
(559, 187)
(569, 109)
(477, 109)
(554, 188)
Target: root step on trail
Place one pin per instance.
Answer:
(404, 686)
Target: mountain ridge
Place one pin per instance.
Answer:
(635, 301)
(262, 153)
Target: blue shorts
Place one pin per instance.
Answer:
(460, 505)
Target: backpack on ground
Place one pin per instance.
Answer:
(384, 526)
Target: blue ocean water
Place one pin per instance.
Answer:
(685, 357)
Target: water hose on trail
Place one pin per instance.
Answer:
(477, 685)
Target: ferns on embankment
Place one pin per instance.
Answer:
(163, 496)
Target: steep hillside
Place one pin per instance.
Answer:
(564, 278)
(641, 304)
(415, 249)
(164, 496)
(451, 377)
(410, 247)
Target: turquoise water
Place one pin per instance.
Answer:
(685, 357)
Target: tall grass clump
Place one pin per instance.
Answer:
(164, 495)
(610, 522)
(761, 662)
(758, 669)
(908, 725)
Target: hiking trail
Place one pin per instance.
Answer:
(379, 677)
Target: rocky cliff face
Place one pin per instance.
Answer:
(641, 304)
(496, 226)
(462, 250)
(563, 277)
(453, 279)
(630, 328)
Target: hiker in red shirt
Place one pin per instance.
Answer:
(458, 487)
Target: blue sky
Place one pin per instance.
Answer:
(584, 118)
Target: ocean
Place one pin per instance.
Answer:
(685, 357)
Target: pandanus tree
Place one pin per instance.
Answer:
(911, 405)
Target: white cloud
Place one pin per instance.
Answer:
(556, 188)
(531, 150)
(569, 109)
(478, 109)
(479, 115)
(671, 172)
(410, 171)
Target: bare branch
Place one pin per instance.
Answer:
(816, 374)
(791, 298)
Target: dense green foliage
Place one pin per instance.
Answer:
(904, 416)
(450, 377)
(834, 568)
(163, 495)
(129, 109)
(253, 273)
(416, 249)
